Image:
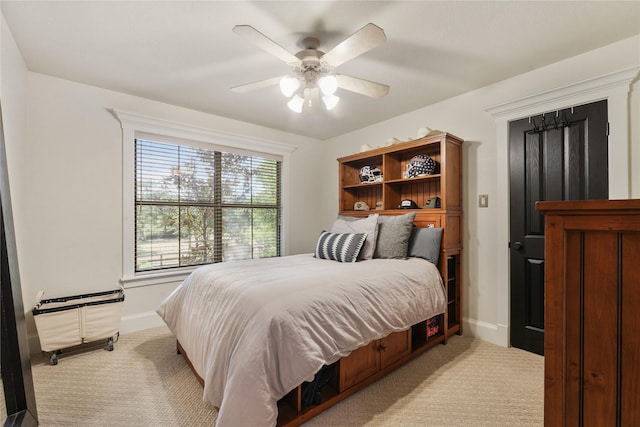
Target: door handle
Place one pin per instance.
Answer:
(516, 245)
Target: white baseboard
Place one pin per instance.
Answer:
(139, 322)
(495, 334)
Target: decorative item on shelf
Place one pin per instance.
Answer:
(427, 131)
(379, 206)
(408, 204)
(394, 141)
(433, 327)
(360, 206)
(422, 132)
(432, 203)
(420, 165)
(370, 174)
(365, 147)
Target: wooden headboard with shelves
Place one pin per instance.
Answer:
(445, 182)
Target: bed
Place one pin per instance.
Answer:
(254, 330)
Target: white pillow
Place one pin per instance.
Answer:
(367, 225)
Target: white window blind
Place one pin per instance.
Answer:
(198, 206)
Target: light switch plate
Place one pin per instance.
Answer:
(483, 201)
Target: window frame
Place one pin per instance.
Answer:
(136, 125)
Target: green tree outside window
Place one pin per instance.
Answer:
(196, 206)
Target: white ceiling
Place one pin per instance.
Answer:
(184, 53)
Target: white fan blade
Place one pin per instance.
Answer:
(266, 44)
(362, 86)
(257, 85)
(363, 40)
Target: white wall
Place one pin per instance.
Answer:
(13, 88)
(65, 159)
(485, 231)
(13, 93)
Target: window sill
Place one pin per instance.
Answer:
(154, 278)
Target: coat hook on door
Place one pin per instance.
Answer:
(566, 121)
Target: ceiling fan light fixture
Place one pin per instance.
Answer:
(295, 104)
(328, 84)
(312, 80)
(288, 85)
(330, 101)
(311, 102)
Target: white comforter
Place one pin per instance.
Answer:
(254, 330)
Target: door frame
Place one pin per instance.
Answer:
(615, 88)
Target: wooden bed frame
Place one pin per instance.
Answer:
(370, 362)
(290, 410)
(376, 359)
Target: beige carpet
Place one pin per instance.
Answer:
(143, 382)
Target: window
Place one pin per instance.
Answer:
(188, 138)
(198, 206)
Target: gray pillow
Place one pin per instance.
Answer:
(367, 225)
(393, 235)
(425, 243)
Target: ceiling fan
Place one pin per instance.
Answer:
(313, 79)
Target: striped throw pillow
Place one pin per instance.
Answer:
(343, 247)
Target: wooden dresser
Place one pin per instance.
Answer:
(592, 313)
